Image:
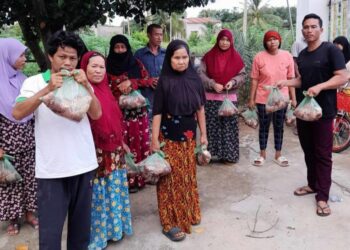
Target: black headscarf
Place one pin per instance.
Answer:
(118, 64)
(346, 46)
(178, 93)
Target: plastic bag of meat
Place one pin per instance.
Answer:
(203, 156)
(308, 109)
(250, 117)
(71, 101)
(8, 173)
(132, 100)
(276, 100)
(227, 108)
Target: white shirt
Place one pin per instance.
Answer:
(297, 47)
(64, 148)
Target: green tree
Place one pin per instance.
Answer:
(39, 19)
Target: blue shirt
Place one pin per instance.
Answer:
(153, 64)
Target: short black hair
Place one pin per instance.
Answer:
(153, 26)
(63, 39)
(313, 16)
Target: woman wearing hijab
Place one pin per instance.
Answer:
(343, 44)
(16, 139)
(126, 73)
(270, 66)
(222, 72)
(177, 110)
(110, 210)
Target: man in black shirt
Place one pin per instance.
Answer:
(322, 71)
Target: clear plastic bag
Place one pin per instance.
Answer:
(290, 117)
(153, 167)
(308, 109)
(203, 156)
(71, 101)
(227, 108)
(250, 117)
(8, 173)
(130, 164)
(275, 100)
(132, 100)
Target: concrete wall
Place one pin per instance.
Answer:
(319, 7)
(195, 27)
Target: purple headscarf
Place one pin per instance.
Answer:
(11, 80)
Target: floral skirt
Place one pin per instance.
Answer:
(177, 193)
(222, 133)
(17, 140)
(110, 210)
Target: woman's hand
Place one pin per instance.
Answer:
(229, 85)
(125, 87)
(293, 103)
(126, 148)
(203, 140)
(218, 87)
(281, 84)
(155, 145)
(251, 104)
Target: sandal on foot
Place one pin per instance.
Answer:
(259, 161)
(34, 222)
(282, 161)
(175, 234)
(305, 190)
(322, 211)
(13, 228)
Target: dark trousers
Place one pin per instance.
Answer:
(316, 139)
(277, 118)
(56, 199)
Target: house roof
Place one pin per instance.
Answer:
(200, 20)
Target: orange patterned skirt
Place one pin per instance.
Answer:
(177, 193)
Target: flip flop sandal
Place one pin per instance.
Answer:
(13, 228)
(259, 161)
(305, 190)
(320, 211)
(282, 161)
(172, 234)
(34, 223)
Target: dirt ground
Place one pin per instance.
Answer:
(237, 198)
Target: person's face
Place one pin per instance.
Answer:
(224, 43)
(120, 48)
(64, 58)
(180, 60)
(339, 46)
(272, 44)
(156, 37)
(311, 30)
(96, 69)
(20, 62)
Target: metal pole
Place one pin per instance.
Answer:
(290, 20)
(245, 16)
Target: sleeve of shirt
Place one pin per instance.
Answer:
(291, 72)
(26, 91)
(158, 101)
(255, 68)
(336, 57)
(202, 72)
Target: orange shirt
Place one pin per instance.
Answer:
(268, 69)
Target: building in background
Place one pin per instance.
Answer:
(339, 18)
(199, 25)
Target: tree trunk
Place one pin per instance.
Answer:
(32, 41)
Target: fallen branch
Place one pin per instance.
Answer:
(260, 237)
(254, 231)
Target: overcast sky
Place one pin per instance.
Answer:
(230, 4)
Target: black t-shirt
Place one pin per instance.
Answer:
(316, 67)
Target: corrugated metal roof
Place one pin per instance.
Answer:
(200, 20)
